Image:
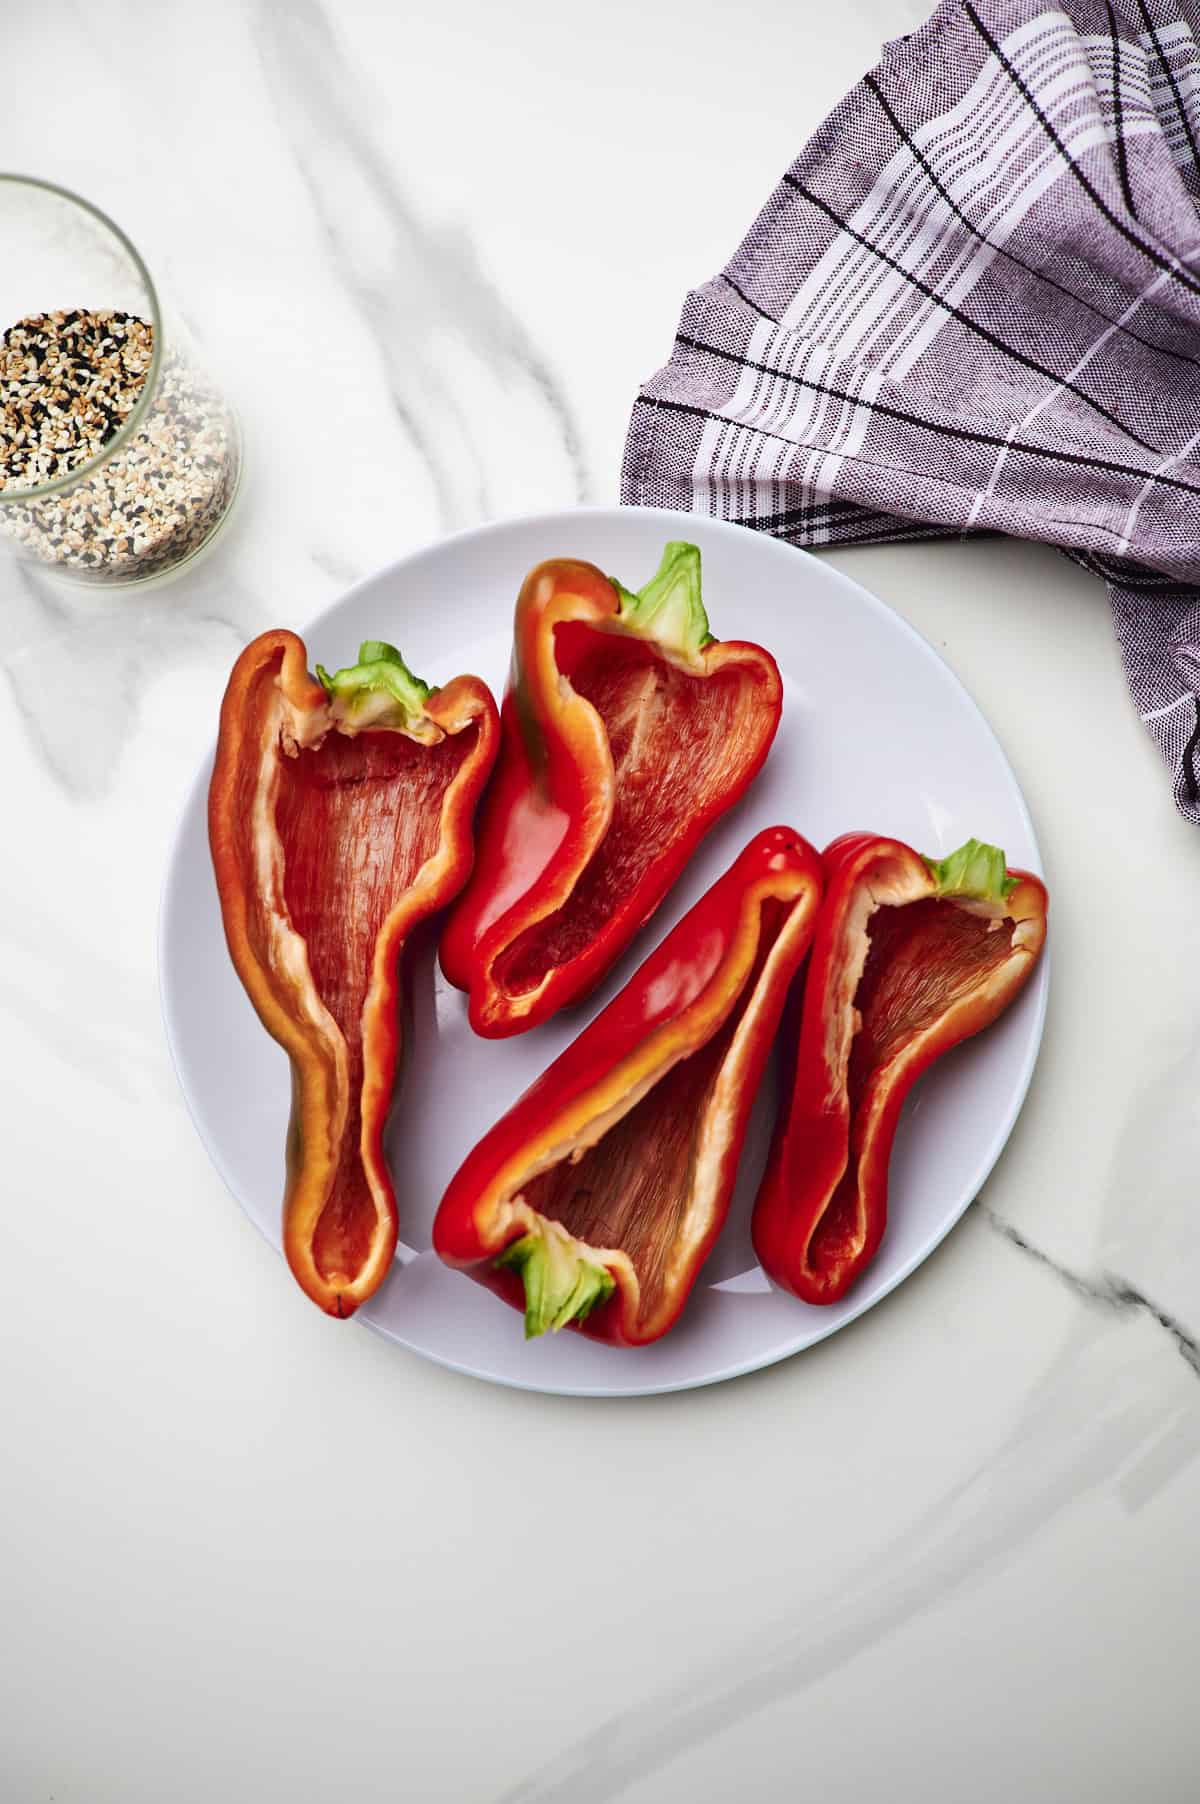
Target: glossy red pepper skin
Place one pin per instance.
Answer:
(339, 1206)
(821, 1210)
(551, 806)
(729, 960)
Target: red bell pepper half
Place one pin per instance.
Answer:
(596, 1199)
(909, 957)
(627, 730)
(339, 817)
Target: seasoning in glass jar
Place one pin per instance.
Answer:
(119, 458)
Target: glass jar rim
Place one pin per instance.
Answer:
(26, 496)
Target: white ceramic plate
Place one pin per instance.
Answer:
(876, 734)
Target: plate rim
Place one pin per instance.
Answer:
(195, 795)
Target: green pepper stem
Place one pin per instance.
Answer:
(669, 609)
(976, 871)
(379, 691)
(561, 1285)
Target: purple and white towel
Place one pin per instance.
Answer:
(973, 304)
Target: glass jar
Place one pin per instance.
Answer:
(119, 458)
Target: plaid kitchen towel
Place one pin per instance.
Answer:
(973, 303)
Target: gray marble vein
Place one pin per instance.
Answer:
(78, 662)
(339, 569)
(1083, 1426)
(1106, 1289)
(417, 287)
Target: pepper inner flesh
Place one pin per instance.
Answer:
(357, 818)
(674, 738)
(923, 957)
(632, 1190)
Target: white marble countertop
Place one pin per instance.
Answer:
(248, 1553)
